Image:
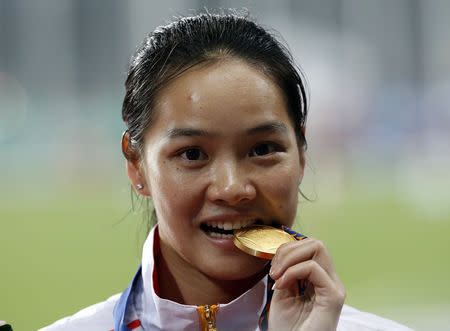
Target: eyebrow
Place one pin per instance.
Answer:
(269, 127)
(187, 132)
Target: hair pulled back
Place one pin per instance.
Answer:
(172, 49)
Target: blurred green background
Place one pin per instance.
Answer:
(378, 157)
(66, 247)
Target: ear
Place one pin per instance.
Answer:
(133, 166)
(136, 177)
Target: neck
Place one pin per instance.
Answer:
(182, 283)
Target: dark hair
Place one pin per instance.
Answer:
(172, 49)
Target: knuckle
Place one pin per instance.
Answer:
(343, 292)
(281, 250)
(340, 295)
(320, 245)
(312, 264)
(336, 299)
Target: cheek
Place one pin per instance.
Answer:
(175, 195)
(280, 188)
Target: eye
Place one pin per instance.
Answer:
(264, 149)
(193, 154)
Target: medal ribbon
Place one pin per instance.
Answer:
(264, 318)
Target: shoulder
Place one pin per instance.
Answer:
(98, 317)
(354, 320)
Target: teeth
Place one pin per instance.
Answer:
(220, 235)
(230, 225)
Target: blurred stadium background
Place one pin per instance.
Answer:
(378, 157)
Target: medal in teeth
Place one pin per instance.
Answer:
(263, 241)
(224, 230)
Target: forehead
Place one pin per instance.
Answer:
(224, 94)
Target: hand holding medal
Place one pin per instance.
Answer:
(295, 262)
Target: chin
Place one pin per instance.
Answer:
(237, 270)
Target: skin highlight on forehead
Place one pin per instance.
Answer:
(228, 88)
(193, 97)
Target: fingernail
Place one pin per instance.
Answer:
(273, 269)
(274, 286)
(271, 272)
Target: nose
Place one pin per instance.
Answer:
(230, 185)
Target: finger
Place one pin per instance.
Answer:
(308, 270)
(324, 285)
(299, 251)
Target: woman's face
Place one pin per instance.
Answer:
(220, 154)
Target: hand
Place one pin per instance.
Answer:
(305, 263)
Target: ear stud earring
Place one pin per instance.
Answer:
(139, 186)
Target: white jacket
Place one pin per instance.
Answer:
(140, 308)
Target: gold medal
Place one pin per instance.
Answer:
(261, 240)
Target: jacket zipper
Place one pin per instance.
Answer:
(208, 317)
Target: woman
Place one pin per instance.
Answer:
(215, 112)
